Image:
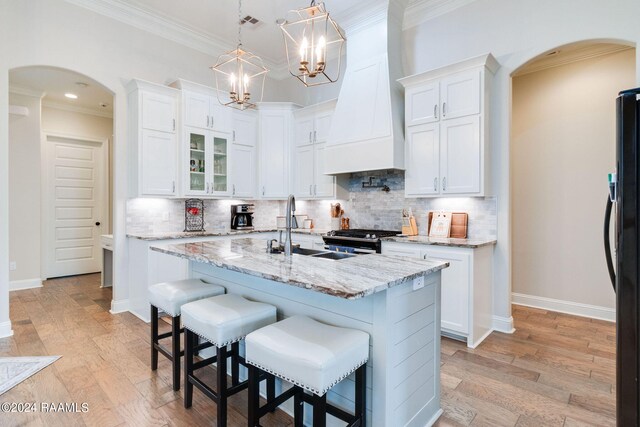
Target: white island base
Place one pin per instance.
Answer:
(403, 372)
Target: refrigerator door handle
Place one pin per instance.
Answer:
(607, 242)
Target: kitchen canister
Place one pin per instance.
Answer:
(335, 223)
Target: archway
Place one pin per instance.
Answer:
(562, 138)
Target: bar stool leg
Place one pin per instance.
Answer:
(361, 394)
(222, 386)
(254, 396)
(189, 344)
(271, 389)
(298, 409)
(235, 363)
(154, 338)
(320, 410)
(175, 351)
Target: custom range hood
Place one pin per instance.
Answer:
(367, 129)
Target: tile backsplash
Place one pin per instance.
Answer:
(366, 207)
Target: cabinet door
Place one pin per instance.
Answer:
(303, 172)
(221, 116)
(158, 112)
(158, 152)
(460, 155)
(275, 156)
(455, 288)
(196, 109)
(243, 171)
(220, 160)
(422, 160)
(460, 95)
(304, 130)
(245, 128)
(198, 176)
(422, 104)
(399, 249)
(322, 126)
(324, 185)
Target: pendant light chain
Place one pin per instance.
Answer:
(239, 23)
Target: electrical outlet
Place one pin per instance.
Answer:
(165, 216)
(13, 266)
(418, 283)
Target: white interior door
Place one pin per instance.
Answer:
(74, 206)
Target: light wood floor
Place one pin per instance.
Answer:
(556, 370)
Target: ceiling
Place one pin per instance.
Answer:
(55, 82)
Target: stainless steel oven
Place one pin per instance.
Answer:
(357, 241)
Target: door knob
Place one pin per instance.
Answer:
(98, 223)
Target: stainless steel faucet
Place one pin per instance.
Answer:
(291, 223)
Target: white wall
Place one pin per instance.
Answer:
(24, 191)
(563, 146)
(515, 31)
(81, 125)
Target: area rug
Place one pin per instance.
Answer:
(14, 370)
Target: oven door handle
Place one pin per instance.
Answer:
(355, 250)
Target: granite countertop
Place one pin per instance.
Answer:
(442, 241)
(349, 278)
(217, 233)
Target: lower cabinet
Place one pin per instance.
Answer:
(466, 298)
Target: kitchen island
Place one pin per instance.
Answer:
(395, 300)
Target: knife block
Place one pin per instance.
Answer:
(409, 226)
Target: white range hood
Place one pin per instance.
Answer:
(367, 129)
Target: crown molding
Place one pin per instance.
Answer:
(25, 91)
(421, 11)
(589, 52)
(77, 109)
(358, 17)
(176, 31)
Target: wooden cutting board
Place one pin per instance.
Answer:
(459, 224)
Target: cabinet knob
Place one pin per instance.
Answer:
(97, 223)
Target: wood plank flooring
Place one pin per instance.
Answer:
(556, 370)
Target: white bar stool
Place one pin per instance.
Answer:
(170, 297)
(314, 357)
(222, 321)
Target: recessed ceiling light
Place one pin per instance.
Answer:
(71, 95)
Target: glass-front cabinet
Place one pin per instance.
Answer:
(207, 168)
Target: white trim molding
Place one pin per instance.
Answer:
(503, 324)
(119, 306)
(5, 329)
(421, 11)
(568, 307)
(77, 109)
(25, 91)
(18, 285)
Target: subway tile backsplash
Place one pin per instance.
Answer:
(366, 208)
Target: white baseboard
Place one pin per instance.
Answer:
(503, 324)
(119, 306)
(568, 307)
(5, 329)
(18, 285)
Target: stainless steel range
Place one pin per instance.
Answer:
(358, 241)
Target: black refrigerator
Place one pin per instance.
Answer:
(623, 205)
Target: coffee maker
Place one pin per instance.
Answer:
(242, 217)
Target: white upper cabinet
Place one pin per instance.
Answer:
(447, 129)
(153, 139)
(202, 109)
(196, 109)
(460, 94)
(243, 171)
(312, 125)
(422, 104)
(423, 165)
(274, 151)
(245, 128)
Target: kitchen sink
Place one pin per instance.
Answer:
(334, 255)
(310, 252)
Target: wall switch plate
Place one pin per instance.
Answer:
(165, 216)
(418, 283)
(13, 266)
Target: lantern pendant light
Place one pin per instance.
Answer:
(312, 39)
(238, 73)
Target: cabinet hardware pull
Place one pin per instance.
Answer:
(211, 126)
(444, 109)
(174, 124)
(435, 111)
(315, 189)
(444, 184)
(315, 136)
(234, 189)
(310, 192)
(173, 187)
(234, 136)
(263, 190)
(207, 121)
(310, 137)
(425, 256)
(435, 184)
